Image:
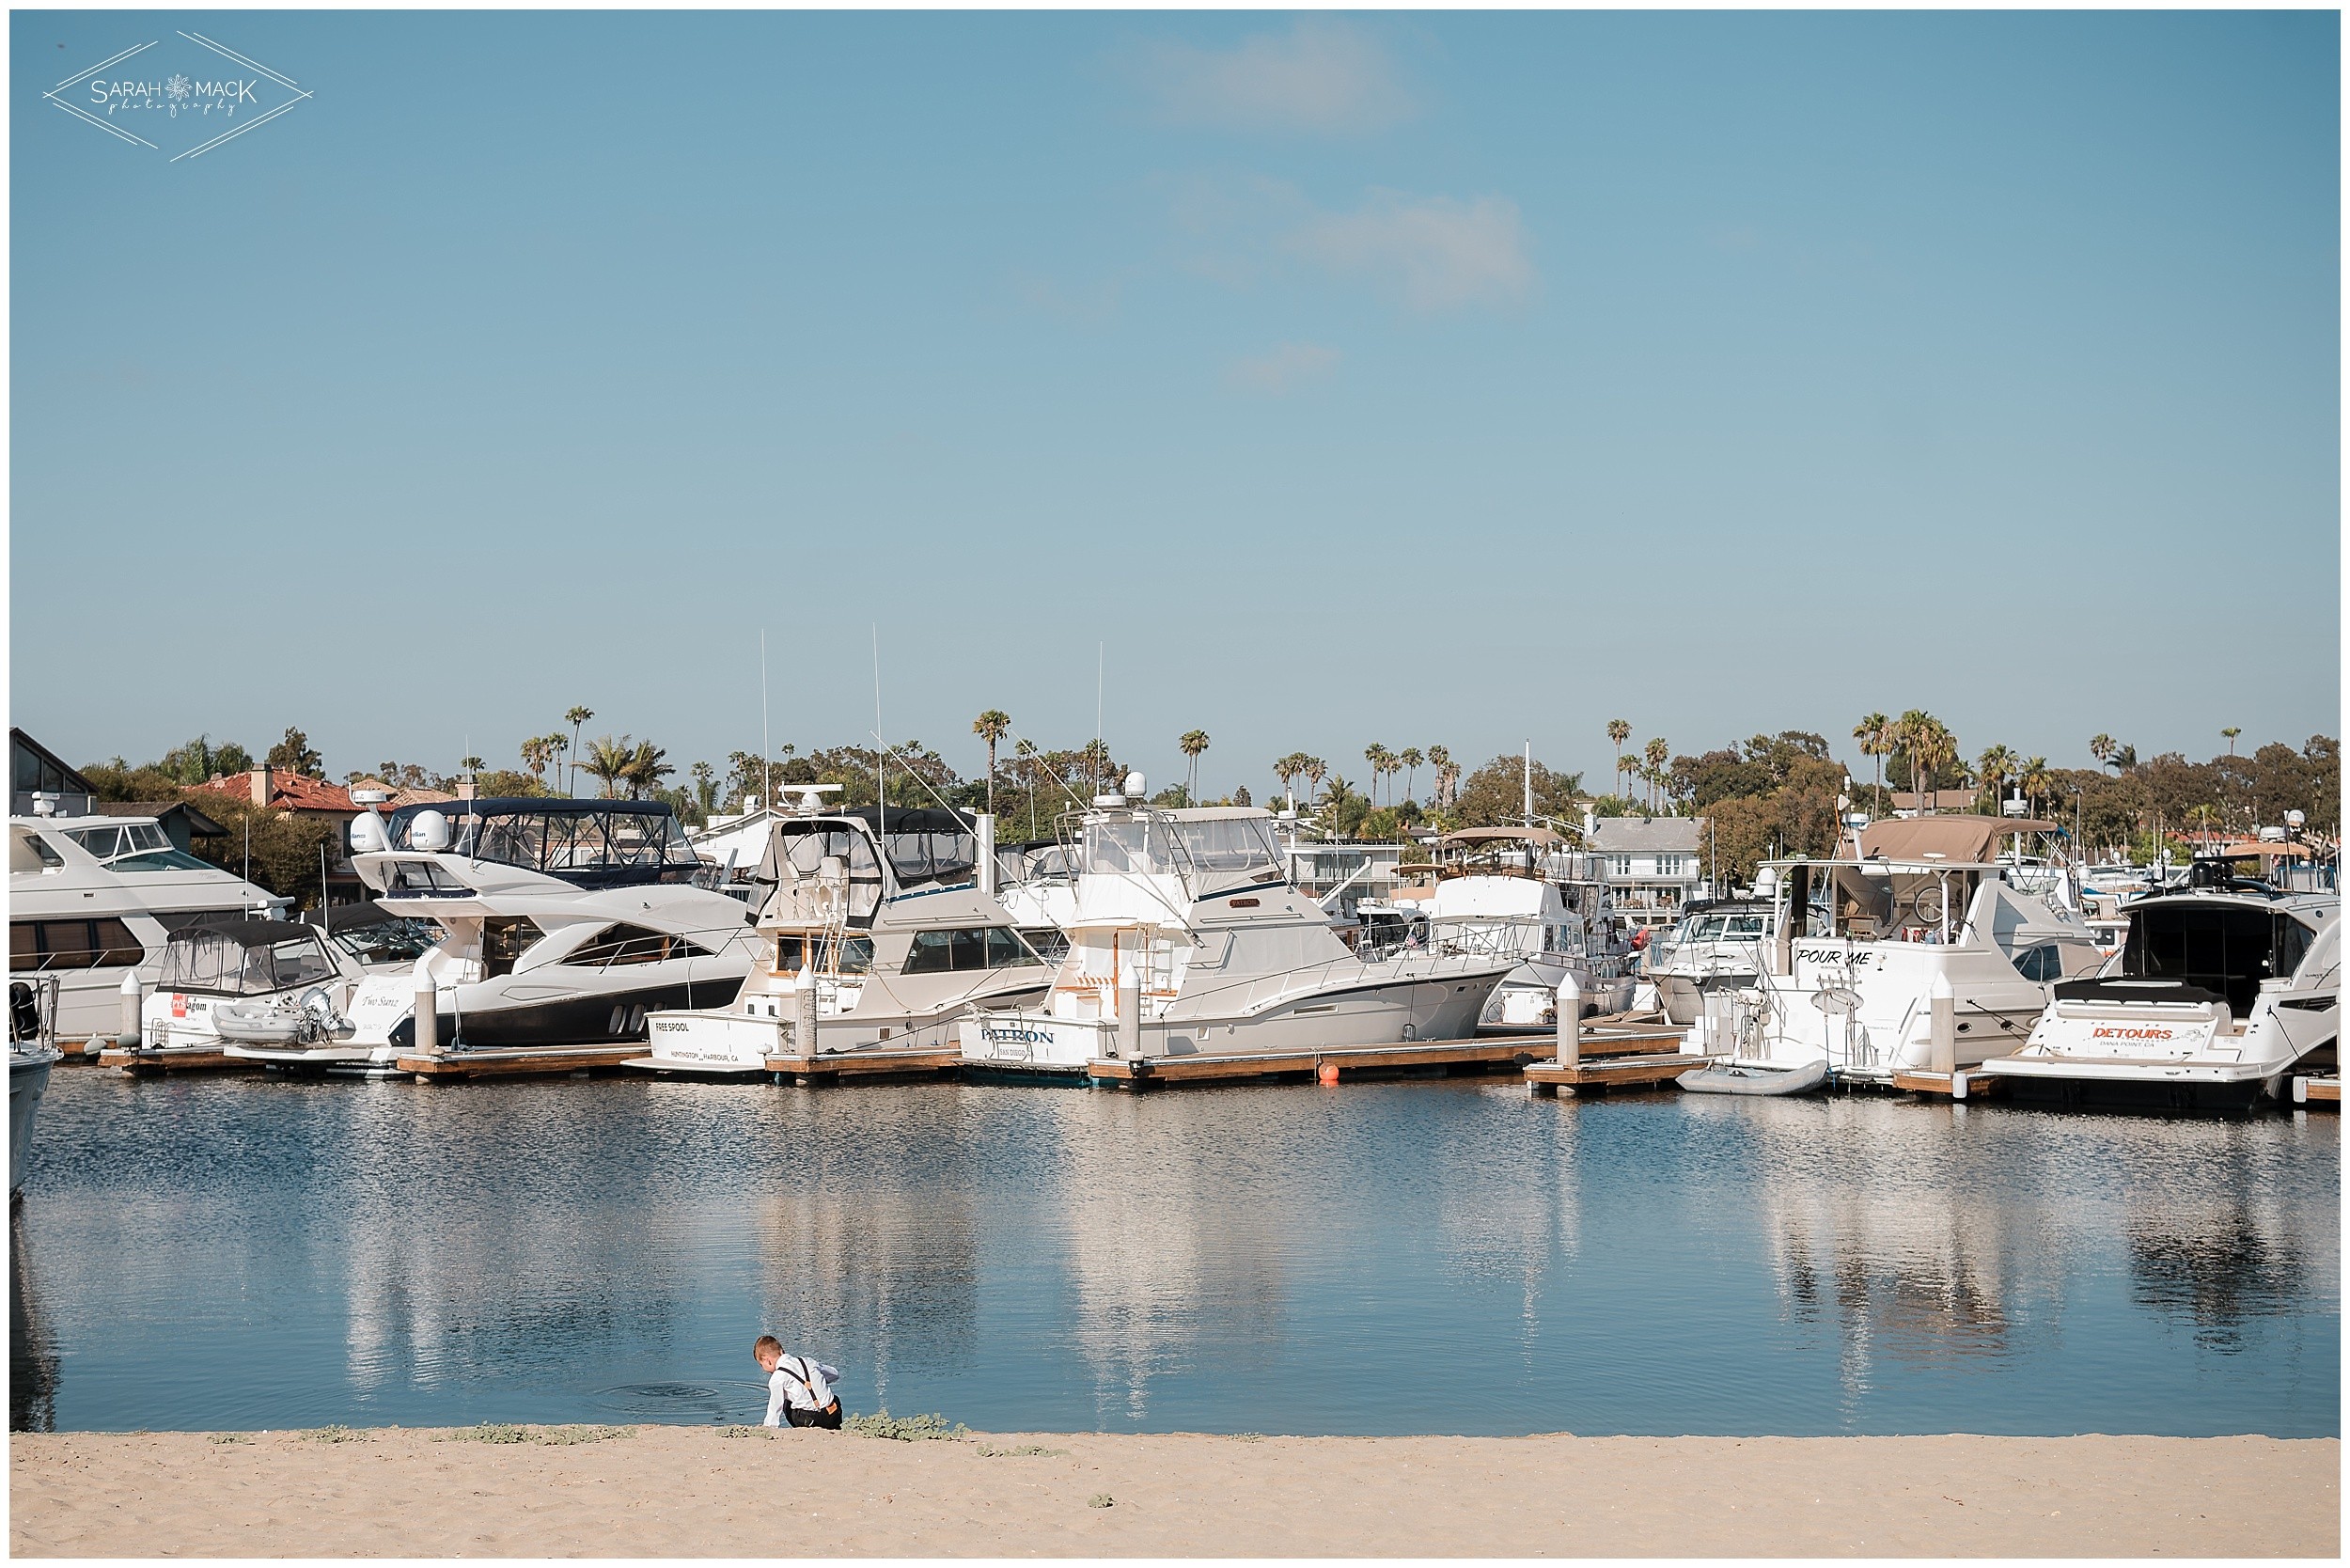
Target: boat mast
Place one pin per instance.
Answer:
(1530, 783)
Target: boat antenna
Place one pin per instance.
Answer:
(1101, 663)
(1530, 783)
(881, 785)
(766, 750)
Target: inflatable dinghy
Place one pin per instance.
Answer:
(1756, 1080)
(280, 1020)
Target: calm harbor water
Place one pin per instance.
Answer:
(1424, 1257)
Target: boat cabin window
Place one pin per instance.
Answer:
(844, 955)
(592, 843)
(976, 948)
(2043, 964)
(1128, 844)
(2225, 949)
(1222, 845)
(932, 857)
(1049, 943)
(504, 939)
(387, 941)
(42, 945)
(618, 945)
(421, 879)
(244, 960)
(29, 852)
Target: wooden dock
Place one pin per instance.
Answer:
(520, 1062)
(1408, 1059)
(1648, 1069)
(1954, 1087)
(143, 1062)
(934, 1062)
(2318, 1091)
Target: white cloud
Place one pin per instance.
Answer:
(1284, 368)
(1322, 76)
(1433, 251)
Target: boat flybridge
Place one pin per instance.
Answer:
(92, 900)
(880, 929)
(1864, 947)
(1188, 938)
(1503, 892)
(2220, 989)
(566, 923)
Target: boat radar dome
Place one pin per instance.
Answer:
(428, 831)
(1135, 788)
(811, 797)
(366, 835)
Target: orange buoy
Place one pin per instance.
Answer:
(1328, 1074)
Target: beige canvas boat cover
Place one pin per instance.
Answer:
(1488, 835)
(1968, 840)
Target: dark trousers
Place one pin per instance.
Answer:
(828, 1417)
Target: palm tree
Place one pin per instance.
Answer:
(1315, 770)
(2232, 733)
(1285, 769)
(1448, 779)
(2035, 781)
(2102, 746)
(1996, 765)
(1619, 731)
(1411, 757)
(1626, 768)
(1376, 755)
(646, 769)
(990, 728)
(1931, 748)
(469, 765)
(577, 718)
(1875, 734)
(1440, 758)
(608, 761)
(536, 756)
(705, 786)
(1656, 751)
(1193, 742)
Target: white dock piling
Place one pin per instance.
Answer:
(1942, 1029)
(1569, 1004)
(428, 1018)
(131, 1008)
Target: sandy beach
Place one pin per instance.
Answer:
(691, 1491)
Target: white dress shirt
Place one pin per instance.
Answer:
(800, 1382)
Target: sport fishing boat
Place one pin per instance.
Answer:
(247, 988)
(1187, 937)
(1717, 947)
(2221, 988)
(881, 929)
(1862, 945)
(92, 900)
(32, 1052)
(588, 925)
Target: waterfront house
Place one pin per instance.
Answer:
(44, 784)
(1653, 865)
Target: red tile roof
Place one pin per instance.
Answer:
(289, 792)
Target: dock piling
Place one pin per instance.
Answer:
(1570, 1007)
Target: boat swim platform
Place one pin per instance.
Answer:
(1406, 1059)
(2317, 1092)
(142, 1061)
(521, 1061)
(1954, 1087)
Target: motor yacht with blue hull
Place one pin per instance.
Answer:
(1188, 938)
(878, 932)
(528, 959)
(2220, 990)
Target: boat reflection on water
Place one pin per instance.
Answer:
(2224, 1247)
(1164, 1270)
(32, 1356)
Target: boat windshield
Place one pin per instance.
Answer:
(244, 960)
(1138, 844)
(2225, 949)
(395, 941)
(1147, 844)
(1722, 928)
(136, 847)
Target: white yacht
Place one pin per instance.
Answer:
(565, 923)
(32, 1052)
(1496, 896)
(1717, 945)
(1188, 938)
(93, 898)
(879, 929)
(252, 987)
(2220, 989)
(1862, 945)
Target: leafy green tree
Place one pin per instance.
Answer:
(1494, 795)
(292, 754)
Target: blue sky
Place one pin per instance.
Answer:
(1397, 378)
